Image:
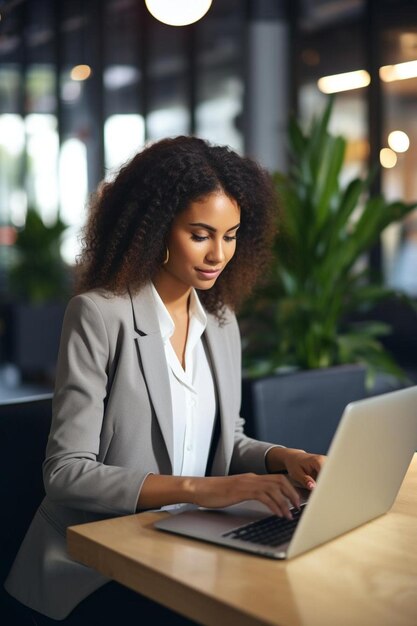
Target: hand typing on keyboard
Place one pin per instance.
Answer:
(273, 490)
(302, 467)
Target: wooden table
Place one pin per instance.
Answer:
(367, 577)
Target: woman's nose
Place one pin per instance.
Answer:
(216, 253)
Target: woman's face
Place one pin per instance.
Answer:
(202, 241)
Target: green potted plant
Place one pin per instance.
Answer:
(39, 287)
(39, 274)
(303, 317)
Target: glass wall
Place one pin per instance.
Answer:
(220, 75)
(12, 142)
(41, 125)
(85, 84)
(76, 159)
(336, 53)
(398, 75)
(331, 47)
(12, 130)
(124, 125)
(168, 90)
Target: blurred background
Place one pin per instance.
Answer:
(84, 84)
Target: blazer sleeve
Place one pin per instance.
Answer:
(73, 476)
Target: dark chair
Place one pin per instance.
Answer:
(24, 429)
(301, 409)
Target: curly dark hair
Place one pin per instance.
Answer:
(130, 218)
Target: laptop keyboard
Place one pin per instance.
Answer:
(268, 531)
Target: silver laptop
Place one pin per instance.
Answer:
(367, 461)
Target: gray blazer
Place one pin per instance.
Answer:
(111, 426)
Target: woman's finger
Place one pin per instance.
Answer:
(284, 494)
(290, 492)
(277, 503)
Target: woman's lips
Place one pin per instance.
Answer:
(208, 274)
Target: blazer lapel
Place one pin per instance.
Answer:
(216, 348)
(151, 349)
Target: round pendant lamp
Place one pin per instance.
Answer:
(178, 12)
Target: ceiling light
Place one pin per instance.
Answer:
(387, 158)
(399, 141)
(80, 72)
(344, 82)
(178, 13)
(399, 71)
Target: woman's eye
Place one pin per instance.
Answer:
(230, 238)
(195, 237)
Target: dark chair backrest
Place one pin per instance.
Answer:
(301, 409)
(24, 429)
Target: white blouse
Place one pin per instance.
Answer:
(192, 390)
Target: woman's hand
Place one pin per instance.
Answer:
(273, 490)
(302, 467)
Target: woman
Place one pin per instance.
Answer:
(147, 398)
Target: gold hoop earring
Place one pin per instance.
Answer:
(166, 257)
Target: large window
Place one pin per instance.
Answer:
(124, 125)
(168, 106)
(399, 87)
(85, 84)
(41, 124)
(328, 52)
(220, 75)
(12, 130)
(76, 159)
(334, 49)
